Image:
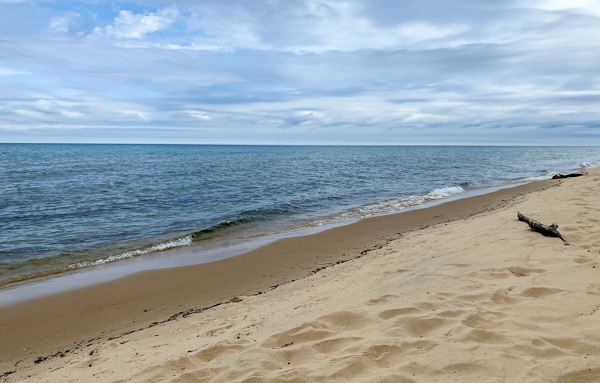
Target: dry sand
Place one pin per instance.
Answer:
(478, 299)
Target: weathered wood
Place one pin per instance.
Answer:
(541, 228)
(558, 175)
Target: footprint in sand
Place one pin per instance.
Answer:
(214, 352)
(451, 313)
(519, 271)
(462, 368)
(483, 320)
(486, 336)
(505, 272)
(593, 289)
(539, 349)
(382, 299)
(393, 313)
(189, 368)
(582, 260)
(384, 354)
(501, 297)
(540, 292)
(498, 297)
(580, 376)
(494, 273)
(571, 345)
(567, 228)
(417, 326)
(331, 346)
(474, 297)
(322, 328)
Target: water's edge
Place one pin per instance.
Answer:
(95, 213)
(189, 255)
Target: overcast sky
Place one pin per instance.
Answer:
(301, 71)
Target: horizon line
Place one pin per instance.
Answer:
(307, 145)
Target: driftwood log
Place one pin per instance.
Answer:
(558, 175)
(541, 228)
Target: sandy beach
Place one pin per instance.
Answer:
(461, 291)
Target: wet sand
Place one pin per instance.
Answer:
(173, 300)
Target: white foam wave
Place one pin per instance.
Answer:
(590, 165)
(444, 192)
(369, 210)
(184, 241)
(389, 206)
(549, 175)
(537, 178)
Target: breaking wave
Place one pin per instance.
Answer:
(377, 208)
(391, 205)
(179, 242)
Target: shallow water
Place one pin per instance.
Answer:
(70, 206)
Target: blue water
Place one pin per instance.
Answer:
(69, 206)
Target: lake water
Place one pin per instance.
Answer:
(65, 207)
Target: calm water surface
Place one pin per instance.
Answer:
(69, 206)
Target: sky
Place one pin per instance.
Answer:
(372, 72)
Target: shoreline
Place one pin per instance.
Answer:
(57, 252)
(70, 320)
(255, 240)
(58, 281)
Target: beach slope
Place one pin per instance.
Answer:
(478, 299)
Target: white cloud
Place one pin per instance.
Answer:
(309, 26)
(172, 46)
(70, 114)
(585, 6)
(30, 113)
(64, 23)
(11, 72)
(341, 25)
(354, 33)
(135, 26)
(309, 113)
(196, 115)
(136, 114)
(375, 66)
(59, 24)
(196, 47)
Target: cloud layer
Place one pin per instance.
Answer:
(321, 72)
(128, 25)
